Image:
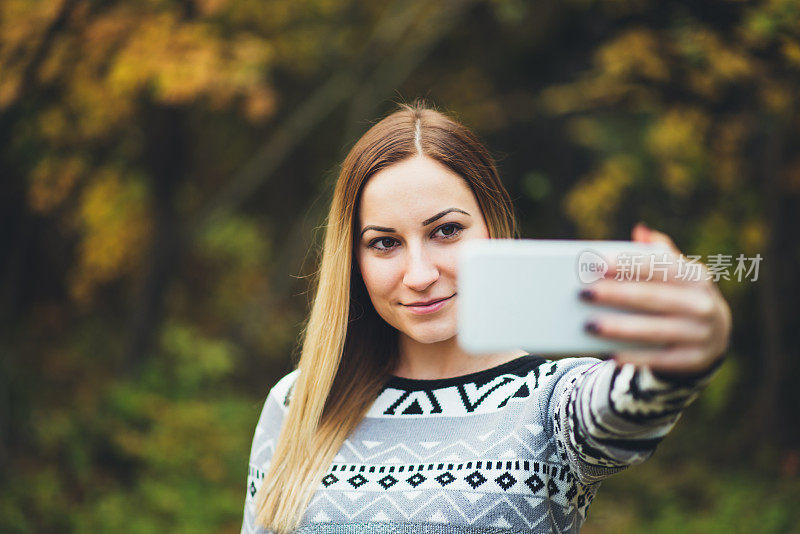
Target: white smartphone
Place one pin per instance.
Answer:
(523, 293)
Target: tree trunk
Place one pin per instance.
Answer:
(165, 156)
(767, 412)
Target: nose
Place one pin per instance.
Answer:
(421, 272)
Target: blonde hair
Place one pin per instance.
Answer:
(349, 351)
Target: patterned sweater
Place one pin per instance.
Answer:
(520, 447)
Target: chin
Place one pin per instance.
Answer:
(431, 335)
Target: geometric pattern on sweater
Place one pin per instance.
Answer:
(480, 476)
(402, 397)
(521, 446)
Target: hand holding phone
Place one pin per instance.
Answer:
(523, 293)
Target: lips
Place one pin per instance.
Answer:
(429, 307)
(427, 303)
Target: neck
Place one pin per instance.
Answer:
(443, 359)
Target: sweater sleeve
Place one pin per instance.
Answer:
(264, 440)
(608, 417)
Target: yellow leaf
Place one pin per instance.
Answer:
(677, 178)
(776, 96)
(115, 230)
(753, 236)
(593, 202)
(260, 104)
(791, 51)
(679, 133)
(635, 53)
(51, 181)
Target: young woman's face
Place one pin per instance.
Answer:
(412, 218)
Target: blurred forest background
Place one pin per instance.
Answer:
(165, 167)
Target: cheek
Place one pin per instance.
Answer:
(446, 259)
(449, 263)
(379, 276)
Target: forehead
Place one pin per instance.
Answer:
(418, 186)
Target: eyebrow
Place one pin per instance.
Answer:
(426, 222)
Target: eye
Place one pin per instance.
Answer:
(449, 230)
(386, 243)
(382, 241)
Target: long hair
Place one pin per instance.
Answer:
(348, 350)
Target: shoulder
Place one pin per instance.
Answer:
(273, 412)
(282, 390)
(559, 376)
(567, 368)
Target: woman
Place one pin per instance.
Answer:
(387, 425)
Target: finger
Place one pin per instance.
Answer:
(650, 329)
(641, 233)
(677, 359)
(670, 299)
(683, 268)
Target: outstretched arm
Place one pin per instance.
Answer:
(615, 413)
(610, 416)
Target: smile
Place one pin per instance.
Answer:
(420, 309)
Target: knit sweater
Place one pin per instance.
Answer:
(520, 447)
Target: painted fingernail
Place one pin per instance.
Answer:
(591, 327)
(587, 294)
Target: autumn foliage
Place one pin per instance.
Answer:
(164, 168)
